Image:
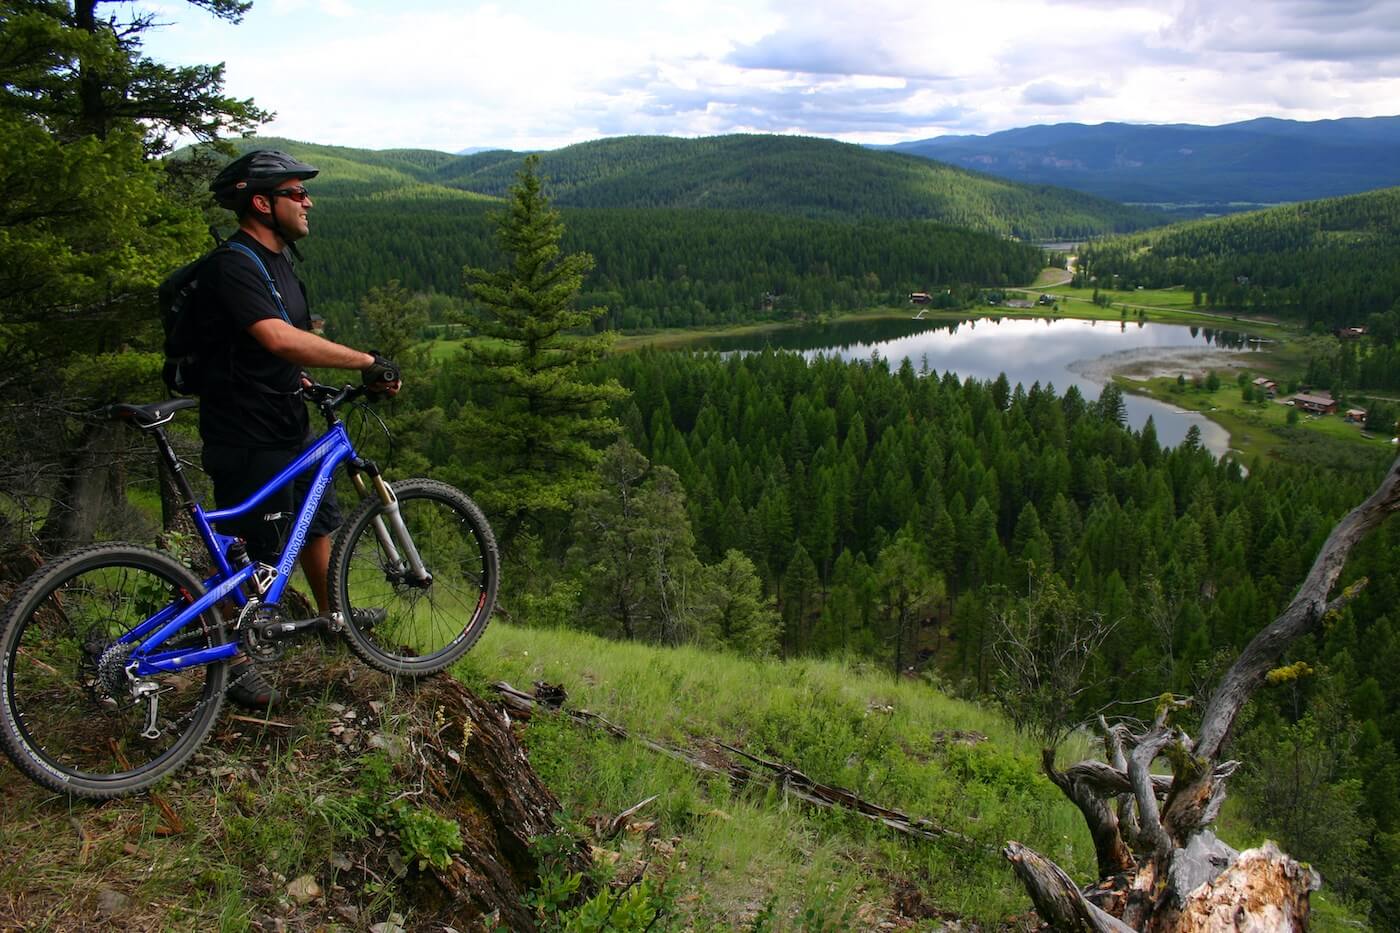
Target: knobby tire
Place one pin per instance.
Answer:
(420, 629)
(58, 724)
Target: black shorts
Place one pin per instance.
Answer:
(238, 472)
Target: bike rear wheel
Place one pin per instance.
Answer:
(67, 718)
(395, 622)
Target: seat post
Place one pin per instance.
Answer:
(177, 469)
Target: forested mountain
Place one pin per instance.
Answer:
(1333, 262)
(787, 175)
(1264, 161)
(795, 175)
(662, 266)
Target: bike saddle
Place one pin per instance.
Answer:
(152, 415)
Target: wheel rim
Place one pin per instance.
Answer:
(420, 623)
(73, 724)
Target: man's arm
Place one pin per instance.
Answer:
(304, 348)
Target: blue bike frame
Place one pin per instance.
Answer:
(330, 450)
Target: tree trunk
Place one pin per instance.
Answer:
(90, 489)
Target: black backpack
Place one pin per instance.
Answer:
(189, 340)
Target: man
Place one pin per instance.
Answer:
(251, 416)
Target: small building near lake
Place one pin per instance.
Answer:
(1315, 404)
(1356, 415)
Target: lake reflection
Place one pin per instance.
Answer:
(1062, 351)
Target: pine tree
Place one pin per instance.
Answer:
(538, 425)
(89, 226)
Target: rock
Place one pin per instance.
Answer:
(394, 924)
(392, 745)
(111, 902)
(304, 889)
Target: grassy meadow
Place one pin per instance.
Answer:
(235, 840)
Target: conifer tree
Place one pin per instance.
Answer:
(90, 225)
(537, 425)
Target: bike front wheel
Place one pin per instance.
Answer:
(394, 620)
(68, 716)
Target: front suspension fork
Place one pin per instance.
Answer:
(389, 527)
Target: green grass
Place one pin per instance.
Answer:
(1163, 305)
(854, 727)
(262, 806)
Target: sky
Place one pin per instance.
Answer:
(541, 74)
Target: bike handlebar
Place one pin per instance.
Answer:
(329, 398)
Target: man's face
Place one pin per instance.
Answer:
(289, 212)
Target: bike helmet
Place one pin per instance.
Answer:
(259, 170)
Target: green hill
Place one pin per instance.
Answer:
(791, 174)
(1332, 262)
(232, 841)
(774, 174)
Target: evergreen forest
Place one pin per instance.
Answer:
(1326, 264)
(694, 232)
(667, 267)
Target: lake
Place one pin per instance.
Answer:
(1060, 351)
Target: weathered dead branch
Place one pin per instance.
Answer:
(1179, 876)
(503, 807)
(1056, 897)
(1307, 610)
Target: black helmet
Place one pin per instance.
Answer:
(259, 170)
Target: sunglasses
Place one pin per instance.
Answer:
(298, 194)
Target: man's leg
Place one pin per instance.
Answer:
(237, 473)
(316, 564)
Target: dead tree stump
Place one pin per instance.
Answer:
(480, 772)
(1160, 866)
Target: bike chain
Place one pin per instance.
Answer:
(194, 711)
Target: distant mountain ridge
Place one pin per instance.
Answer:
(1261, 161)
(803, 176)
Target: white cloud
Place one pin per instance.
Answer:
(454, 74)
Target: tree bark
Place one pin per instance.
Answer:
(503, 806)
(85, 493)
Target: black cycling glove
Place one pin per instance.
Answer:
(380, 371)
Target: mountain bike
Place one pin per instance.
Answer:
(114, 658)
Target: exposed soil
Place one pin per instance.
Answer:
(1143, 363)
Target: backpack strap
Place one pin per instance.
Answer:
(276, 299)
(267, 279)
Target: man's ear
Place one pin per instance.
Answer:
(265, 207)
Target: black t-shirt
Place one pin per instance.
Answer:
(250, 397)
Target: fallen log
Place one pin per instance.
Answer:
(793, 782)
